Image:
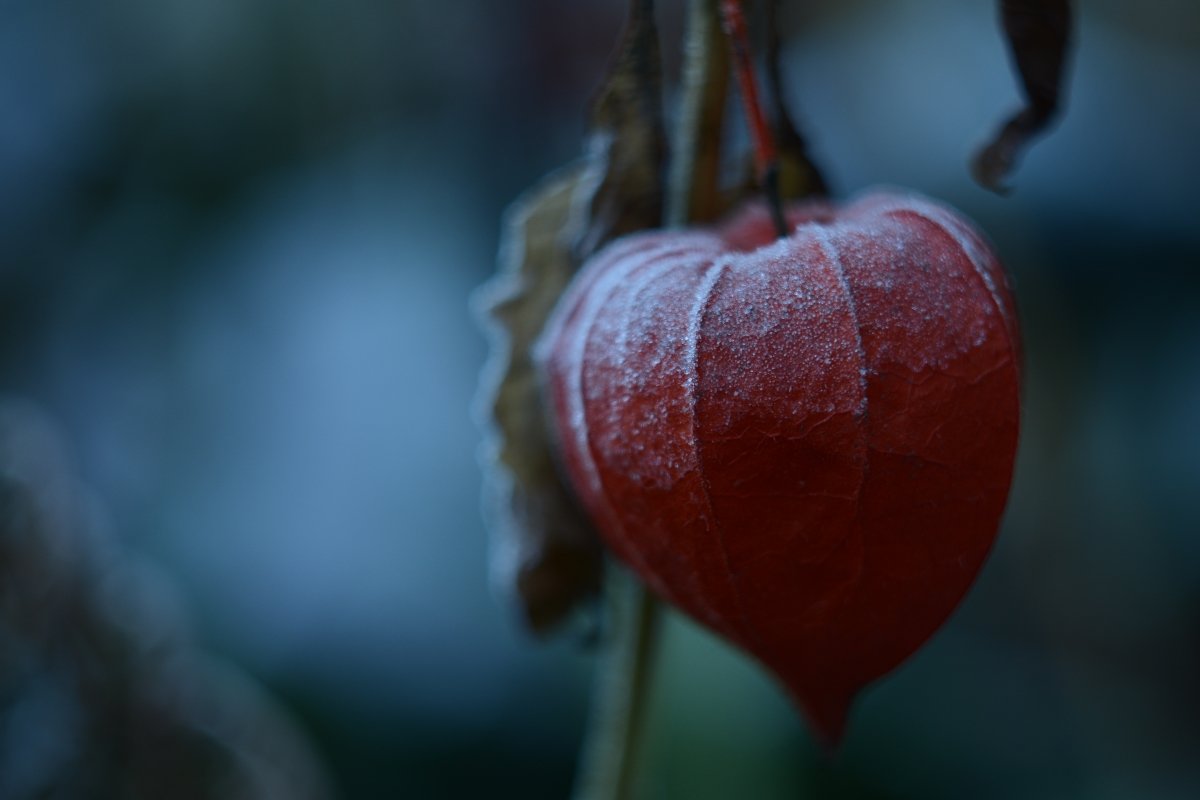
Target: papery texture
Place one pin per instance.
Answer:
(806, 444)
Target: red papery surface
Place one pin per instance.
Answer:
(804, 443)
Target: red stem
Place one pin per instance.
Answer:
(766, 160)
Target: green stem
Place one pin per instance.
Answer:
(621, 692)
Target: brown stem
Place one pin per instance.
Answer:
(621, 692)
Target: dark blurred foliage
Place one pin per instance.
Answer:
(103, 693)
(236, 242)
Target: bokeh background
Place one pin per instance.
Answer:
(237, 240)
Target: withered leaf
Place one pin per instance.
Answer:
(625, 148)
(1038, 33)
(544, 550)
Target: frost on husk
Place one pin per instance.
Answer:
(544, 551)
(803, 443)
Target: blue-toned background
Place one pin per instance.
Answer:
(237, 239)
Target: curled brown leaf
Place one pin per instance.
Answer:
(543, 550)
(625, 148)
(1038, 34)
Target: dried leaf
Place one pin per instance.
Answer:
(542, 547)
(544, 550)
(1038, 33)
(625, 148)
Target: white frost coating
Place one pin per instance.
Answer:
(692, 382)
(835, 262)
(954, 228)
(626, 318)
(692, 342)
(594, 300)
(691, 366)
(623, 432)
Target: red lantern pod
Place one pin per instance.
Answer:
(804, 443)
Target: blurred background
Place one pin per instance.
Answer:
(237, 240)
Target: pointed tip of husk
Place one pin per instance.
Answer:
(827, 712)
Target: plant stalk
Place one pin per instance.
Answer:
(623, 675)
(621, 692)
(693, 193)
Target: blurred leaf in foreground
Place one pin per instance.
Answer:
(101, 692)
